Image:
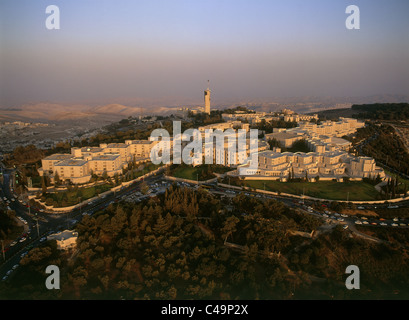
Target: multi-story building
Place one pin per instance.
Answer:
(49, 162)
(140, 149)
(78, 165)
(122, 149)
(257, 117)
(336, 164)
(111, 164)
(75, 170)
(87, 152)
(286, 138)
(65, 239)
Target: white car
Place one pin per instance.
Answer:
(383, 224)
(394, 224)
(23, 239)
(358, 222)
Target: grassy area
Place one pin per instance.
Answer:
(202, 172)
(185, 172)
(72, 197)
(149, 167)
(323, 189)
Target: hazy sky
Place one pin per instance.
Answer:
(107, 49)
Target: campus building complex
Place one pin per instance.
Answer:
(257, 117)
(81, 163)
(228, 152)
(322, 137)
(326, 165)
(328, 159)
(230, 144)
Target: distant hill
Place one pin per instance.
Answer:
(374, 111)
(60, 112)
(116, 110)
(334, 114)
(382, 111)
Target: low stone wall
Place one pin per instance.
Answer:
(312, 198)
(311, 179)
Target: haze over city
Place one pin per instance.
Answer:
(118, 52)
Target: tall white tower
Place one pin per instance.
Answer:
(207, 99)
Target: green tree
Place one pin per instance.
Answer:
(57, 180)
(229, 227)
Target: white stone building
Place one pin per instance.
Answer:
(65, 239)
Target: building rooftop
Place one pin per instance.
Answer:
(339, 141)
(139, 142)
(63, 235)
(71, 163)
(117, 145)
(59, 156)
(282, 135)
(91, 149)
(105, 157)
(270, 154)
